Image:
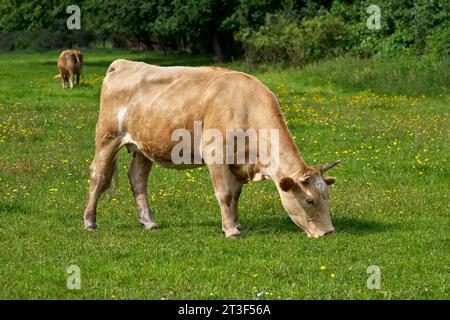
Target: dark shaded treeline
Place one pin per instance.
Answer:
(260, 30)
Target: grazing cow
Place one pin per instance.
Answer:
(142, 105)
(70, 65)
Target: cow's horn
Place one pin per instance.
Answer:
(330, 165)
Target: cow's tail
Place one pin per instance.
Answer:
(79, 59)
(112, 180)
(115, 177)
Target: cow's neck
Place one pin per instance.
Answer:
(291, 160)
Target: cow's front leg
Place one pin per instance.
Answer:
(227, 190)
(138, 175)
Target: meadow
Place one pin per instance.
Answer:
(388, 123)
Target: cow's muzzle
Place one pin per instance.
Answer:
(320, 234)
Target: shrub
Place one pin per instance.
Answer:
(326, 36)
(273, 42)
(437, 44)
(409, 27)
(286, 39)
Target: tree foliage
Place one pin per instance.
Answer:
(292, 31)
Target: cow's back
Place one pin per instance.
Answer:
(145, 84)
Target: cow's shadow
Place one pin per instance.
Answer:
(282, 224)
(351, 225)
(361, 225)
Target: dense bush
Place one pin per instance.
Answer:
(438, 44)
(410, 27)
(284, 39)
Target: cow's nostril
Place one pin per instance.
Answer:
(329, 232)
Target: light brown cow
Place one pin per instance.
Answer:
(70, 65)
(142, 105)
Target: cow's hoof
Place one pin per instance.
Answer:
(89, 226)
(150, 226)
(233, 233)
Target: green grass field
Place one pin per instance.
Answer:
(390, 206)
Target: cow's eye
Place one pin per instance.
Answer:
(310, 201)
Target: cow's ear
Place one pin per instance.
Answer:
(329, 180)
(287, 184)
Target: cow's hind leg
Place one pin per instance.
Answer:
(227, 190)
(64, 82)
(138, 175)
(102, 170)
(71, 80)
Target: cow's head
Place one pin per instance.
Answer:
(305, 198)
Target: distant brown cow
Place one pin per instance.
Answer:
(70, 64)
